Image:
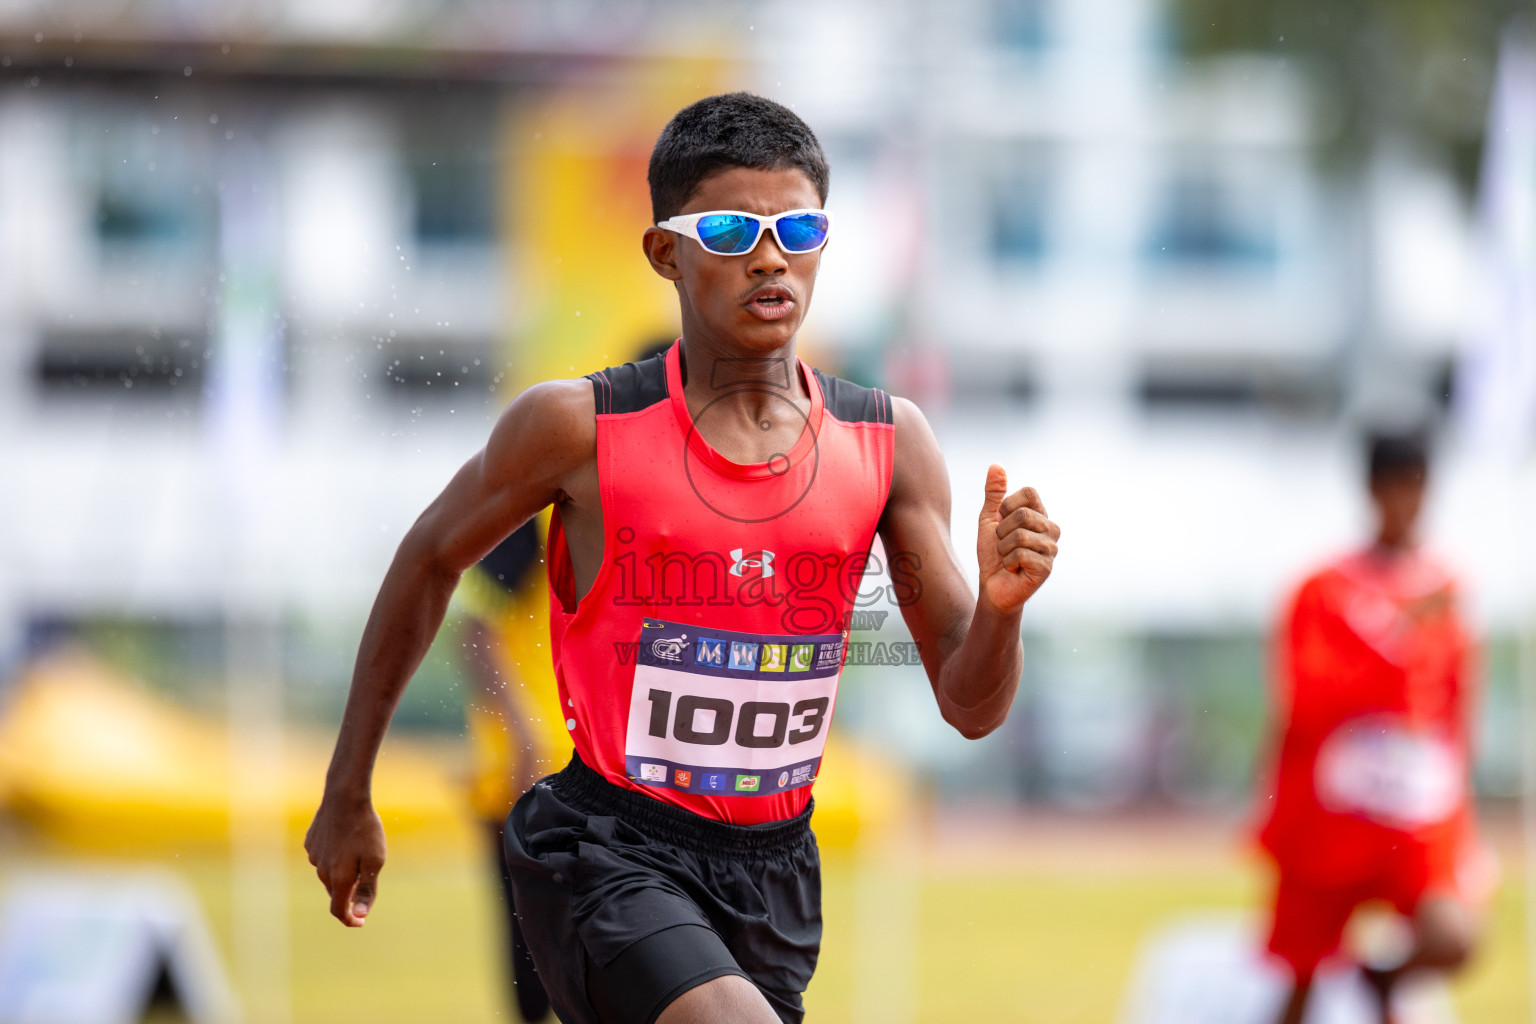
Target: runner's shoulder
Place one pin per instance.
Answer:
(905, 413)
(913, 434)
(1318, 584)
(558, 404)
(918, 473)
(554, 416)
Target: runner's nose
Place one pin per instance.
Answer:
(766, 257)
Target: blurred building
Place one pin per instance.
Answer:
(1122, 274)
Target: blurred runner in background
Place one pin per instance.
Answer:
(512, 713)
(1370, 798)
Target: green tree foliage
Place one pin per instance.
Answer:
(1416, 70)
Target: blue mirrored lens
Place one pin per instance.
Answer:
(802, 232)
(728, 233)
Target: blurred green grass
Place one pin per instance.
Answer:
(1047, 947)
(910, 939)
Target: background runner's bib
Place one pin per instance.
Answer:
(1376, 768)
(701, 668)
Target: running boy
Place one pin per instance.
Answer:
(714, 510)
(1371, 793)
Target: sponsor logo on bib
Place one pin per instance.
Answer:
(669, 648)
(709, 651)
(744, 656)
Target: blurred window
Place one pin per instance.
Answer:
(998, 382)
(427, 370)
(1442, 383)
(455, 200)
(1017, 207)
(1208, 218)
(149, 192)
(124, 365)
(1291, 391)
(1166, 39)
(1020, 26)
(130, 215)
(1214, 393)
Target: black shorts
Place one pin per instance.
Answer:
(626, 902)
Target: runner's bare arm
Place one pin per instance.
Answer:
(969, 645)
(540, 445)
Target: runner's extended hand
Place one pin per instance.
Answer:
(1015, 542)
(345, 843)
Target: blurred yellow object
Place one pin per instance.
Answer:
(577, 200)
(859, 795)
(95, 761)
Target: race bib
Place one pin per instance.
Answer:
(1377, 769)
(726, 713)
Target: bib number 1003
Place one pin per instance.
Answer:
(751, 718)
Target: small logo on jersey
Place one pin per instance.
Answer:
(802, 774)
(669, 648)
(800, 657)
(709, 651)
(830, 655)
(759, 560)
(783, 779)
(743, 656)
(682, 779)
(773, 658)
(748, 783)
(653, 772)
(712, 781)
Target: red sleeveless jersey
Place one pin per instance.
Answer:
(701, 668)
(1375, 697)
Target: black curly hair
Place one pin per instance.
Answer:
(734, 129)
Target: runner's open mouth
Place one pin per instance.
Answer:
(771, 303)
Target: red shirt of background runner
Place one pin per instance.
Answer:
(1371, 649)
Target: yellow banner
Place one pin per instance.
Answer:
(583, 295)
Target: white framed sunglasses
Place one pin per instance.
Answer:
(733, 233)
